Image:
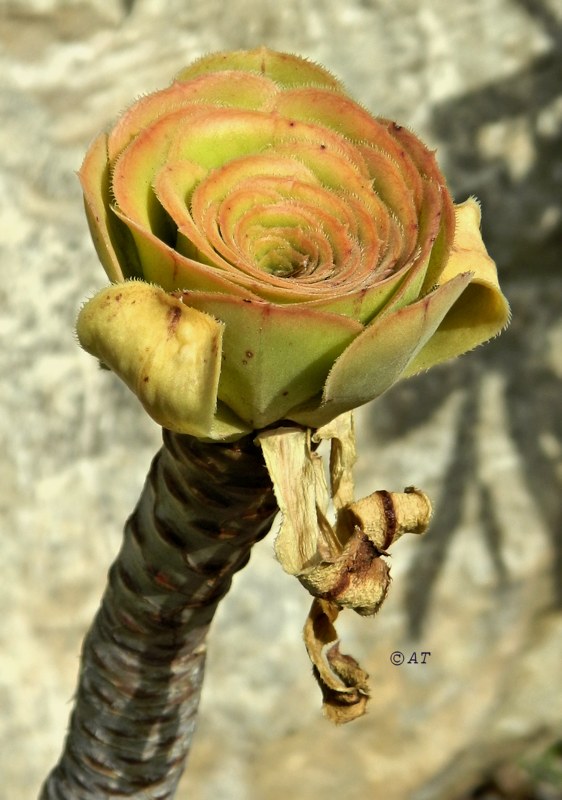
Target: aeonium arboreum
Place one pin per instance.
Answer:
(322, 243)
(278, 257)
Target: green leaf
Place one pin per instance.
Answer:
(379, 356)
(274, 357)
(285, 69)
(94, 179)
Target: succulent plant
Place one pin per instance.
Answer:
(277, 257)
(308, 253)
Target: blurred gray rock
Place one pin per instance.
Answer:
(480, 79)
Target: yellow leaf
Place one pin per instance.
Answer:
(167, 353)
(481, 311)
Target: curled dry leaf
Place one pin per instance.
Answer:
(344, 685)
(342, 564)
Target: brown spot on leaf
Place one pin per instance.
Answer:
(174, 316)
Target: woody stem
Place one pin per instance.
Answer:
(202, 508)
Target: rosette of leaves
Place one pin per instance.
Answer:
(305, 254)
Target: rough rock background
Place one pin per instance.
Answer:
(479, 79)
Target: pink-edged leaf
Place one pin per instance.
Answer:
(225, 89)
(285, 69)
(94, 179)
(171, 270)
(379, 356)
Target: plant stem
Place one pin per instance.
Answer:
(202, 508)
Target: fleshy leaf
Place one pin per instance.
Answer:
(173, 271)
(285, 69)
(94, 179)
(481, 311)
(379, 356)
(224, 89)
(274, 357)
(168, 354)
